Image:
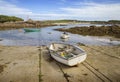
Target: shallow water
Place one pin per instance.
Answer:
(48, 35)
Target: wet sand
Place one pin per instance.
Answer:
(32, 64)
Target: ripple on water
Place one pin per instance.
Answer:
(48, 35)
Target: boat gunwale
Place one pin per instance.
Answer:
(31, 29)
(81, 54)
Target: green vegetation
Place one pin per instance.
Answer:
(113, 30)
(60, 21)
(114, 21)
(12, 22)
(83, 21)
(107, 22)
(4, 18)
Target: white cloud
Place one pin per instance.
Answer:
(95, 11)
(7, 8)
(88, 11)
(10, 9)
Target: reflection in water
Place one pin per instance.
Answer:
(64, 40)
(48, 35)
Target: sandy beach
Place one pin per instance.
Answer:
(32, 64)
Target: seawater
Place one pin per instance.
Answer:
(48, 35)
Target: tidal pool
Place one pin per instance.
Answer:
(47, 35)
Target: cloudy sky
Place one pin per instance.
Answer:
(62, 9)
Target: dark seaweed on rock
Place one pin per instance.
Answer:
(113, 30)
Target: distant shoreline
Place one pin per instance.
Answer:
(18, 25)
(31, 23)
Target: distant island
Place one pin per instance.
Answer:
(5, 18)
(12, 22)
(113, 30)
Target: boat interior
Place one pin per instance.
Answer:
(65, 51)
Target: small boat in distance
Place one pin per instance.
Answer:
(31, 30)
(67, 54)
(65, 35)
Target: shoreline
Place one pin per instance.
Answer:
(21, 64)
(112, 31)
(18, 25)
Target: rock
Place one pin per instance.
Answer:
(1, 39)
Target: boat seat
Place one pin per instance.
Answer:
(74, 53)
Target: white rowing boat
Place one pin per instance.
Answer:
(67, 54)
(65, 35)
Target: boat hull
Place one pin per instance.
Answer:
(64, 36)
(31, 30)
(74, 60)
(71, 62)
